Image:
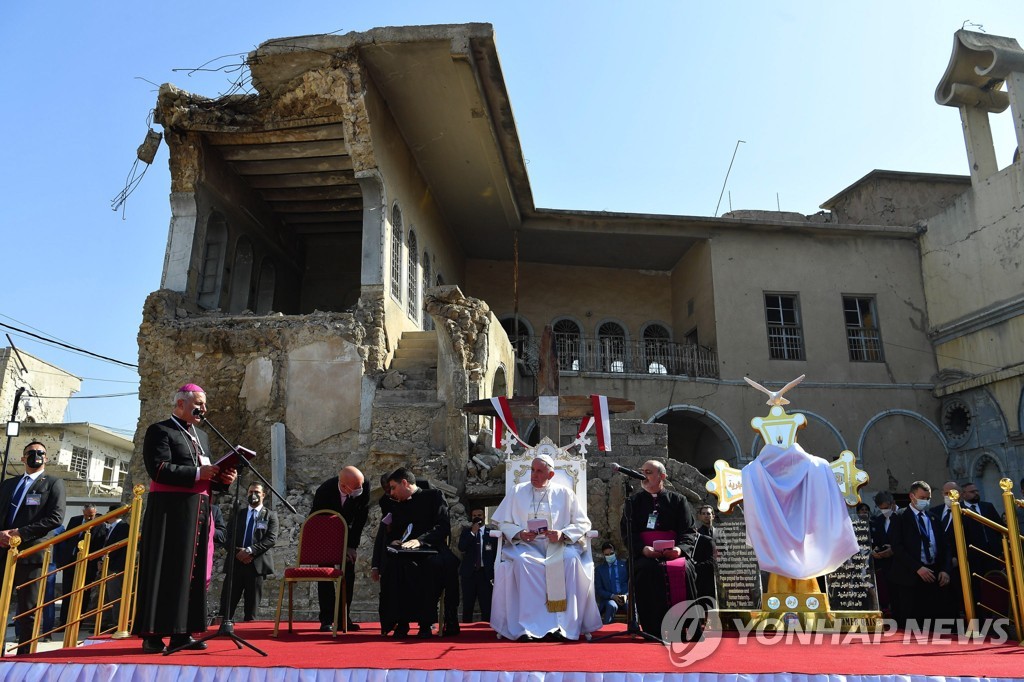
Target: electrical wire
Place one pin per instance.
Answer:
(68, 346)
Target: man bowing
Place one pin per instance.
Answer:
(544, 585)
(348, 494)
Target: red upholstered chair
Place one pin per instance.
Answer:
(322, 542)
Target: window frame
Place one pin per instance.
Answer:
(786, 332)
(863, 353)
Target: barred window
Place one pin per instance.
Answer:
(80, 461)
(567, 344)
(611, 338)
(428, 321)
(656, 348)
(412, 302)
(396, 253)
(863, 338)
(785, 335)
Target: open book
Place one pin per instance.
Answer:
(232, 459)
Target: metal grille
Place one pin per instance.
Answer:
(412, 304)
(865, 344)
(578, 354)
(396, 253)
(785, 342)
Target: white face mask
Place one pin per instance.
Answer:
(921, 505)
(886, 512)
(610, 558)
(948, 501)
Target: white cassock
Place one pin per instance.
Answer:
(540, 589)
(797, 520)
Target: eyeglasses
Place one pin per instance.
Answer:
(35, 452)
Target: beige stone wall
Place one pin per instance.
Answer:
(693, 280)
(588, 295)
(42, 379)
(820, 270)
(971, 254)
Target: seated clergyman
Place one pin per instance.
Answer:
(545, 582)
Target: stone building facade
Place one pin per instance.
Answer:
(354, 253)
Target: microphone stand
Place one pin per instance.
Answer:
(227, 626)
(632, 623)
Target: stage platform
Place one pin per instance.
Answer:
(477, 655)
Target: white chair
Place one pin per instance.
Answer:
(570, 471)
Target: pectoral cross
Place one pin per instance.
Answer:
(548, 407)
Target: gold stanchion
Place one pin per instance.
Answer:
(962, 560)
(37, 623)
(7, 589)
(1015, 557)
(101, 594)
(72, 622)
(126, 613)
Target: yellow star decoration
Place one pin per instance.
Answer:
(727, 485)
(849, 477)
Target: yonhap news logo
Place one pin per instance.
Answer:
(691, 631)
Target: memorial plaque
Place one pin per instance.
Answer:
(739, 577)
(851, 587)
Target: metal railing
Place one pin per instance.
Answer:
(1012, 560)
(865, 344)
(123, 602)
(616, 355)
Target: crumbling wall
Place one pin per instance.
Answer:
(261, 370)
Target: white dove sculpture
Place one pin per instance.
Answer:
(775, 397)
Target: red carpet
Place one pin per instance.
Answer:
(477, 649)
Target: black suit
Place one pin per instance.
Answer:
(477, 572)
(248, 578)
(67, 552)
(355, 510)
(984, 538)
(883, 567)
(914, 598)
(41, 510)
(116, 532)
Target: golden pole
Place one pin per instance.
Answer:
(7, 589)
(40, 600)
(71, 623)
(1015, 558)
(101, 594)
(128, 580)
(961, 553)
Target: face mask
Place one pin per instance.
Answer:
(948, 501)
(356, 492)
(35, 461)
(886, 512)
(478, 519)
(610, 558)
(921, 505)
(254, 500)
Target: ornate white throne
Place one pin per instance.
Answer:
(570, 471)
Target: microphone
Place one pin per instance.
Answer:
(632, 473)
(196, 412)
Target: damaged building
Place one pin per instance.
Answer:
(354, 253)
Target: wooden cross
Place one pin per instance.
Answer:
(569, 406)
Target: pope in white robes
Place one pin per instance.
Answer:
(544, 583)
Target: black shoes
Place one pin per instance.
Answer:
(152, 645)
(424, 633)
(186, 643)
(353, 627)
(451, 630)
(401, 631)
(325, 627)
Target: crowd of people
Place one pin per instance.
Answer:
(914, 551)
(545, 586)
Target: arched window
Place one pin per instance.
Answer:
(396, 253)
(428, 321)
(567, 343)
(412, 303)
(657, 341)
(265, 287)
(611, 339)
(241, 277)
(519, 333)
(213, 262)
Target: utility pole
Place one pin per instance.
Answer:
(12, 430)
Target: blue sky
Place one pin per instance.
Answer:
(619, 107)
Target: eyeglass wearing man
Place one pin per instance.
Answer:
(33, 505)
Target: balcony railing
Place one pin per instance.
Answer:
(617, 355)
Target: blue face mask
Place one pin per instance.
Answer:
(610, 558)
